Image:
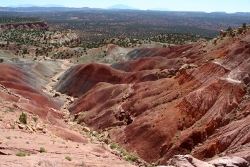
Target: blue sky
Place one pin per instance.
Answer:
(229, 6)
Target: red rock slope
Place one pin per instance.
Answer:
(202, 110)
(22, 83)
(46, 139)
(81, 78)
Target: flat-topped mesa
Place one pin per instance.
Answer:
(40, 25)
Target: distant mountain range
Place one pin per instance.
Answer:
(121, 6)
(160, 9)
(117, 6)
(33, 5)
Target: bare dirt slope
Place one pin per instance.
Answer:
(59, 142)
(26, 88)
(200, 109)
(157, 103)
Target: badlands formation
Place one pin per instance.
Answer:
(185, 105)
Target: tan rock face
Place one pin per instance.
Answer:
(86, 129)
(223, 33)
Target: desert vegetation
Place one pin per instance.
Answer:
(60, 44)
(16, 20)
(101, 24)
(91, 29)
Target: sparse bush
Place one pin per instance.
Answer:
(244, 25)
(112, 146)
(42, 150)
(35, 118)
(25, 51)
(11, 110)
(21, 154)
(229, 29)
(68, 158)
(128, 156)
(23, 118)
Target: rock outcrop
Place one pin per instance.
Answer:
(223, 33)
(189, 161)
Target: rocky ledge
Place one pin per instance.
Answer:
(40, 25)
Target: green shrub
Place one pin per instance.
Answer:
(68, 158)
(21, 154)
(11, 110)
(23, 118)
(128, 156)
(244, 25)
(112, 146)
(35, 118)
(42, 150)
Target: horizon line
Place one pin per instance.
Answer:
(108, 8)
